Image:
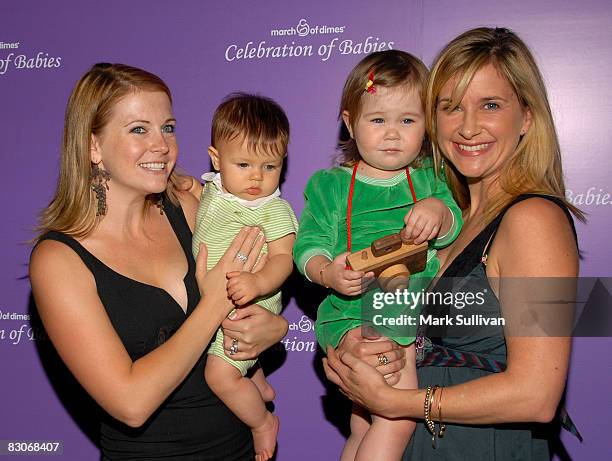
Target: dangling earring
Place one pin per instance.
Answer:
(159, 203)
(99, 184)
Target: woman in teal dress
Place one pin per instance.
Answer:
(486, 392)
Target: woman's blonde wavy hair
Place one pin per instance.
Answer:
(73, 207)
(535, 165)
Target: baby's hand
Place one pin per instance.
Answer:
(243, 287)
(424, 220)
(345, 281)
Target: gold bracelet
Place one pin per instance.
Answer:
(429, 423)
(427, 410)
(433, 424)
(442, 425)
(426, 406)
(323, 267)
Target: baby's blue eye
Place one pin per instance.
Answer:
(169, 128)
(378, 120)
(138, 130)
(270, 167)
(491, 106)
(407, 121)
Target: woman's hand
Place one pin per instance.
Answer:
(213, 283)
(255, 329)
(371, 350)
(359, 381)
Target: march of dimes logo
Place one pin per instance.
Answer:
(16, 60)
(15, 329)
(303, 29)
(289, 48)
(301, 336)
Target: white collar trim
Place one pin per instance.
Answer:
(215, 178)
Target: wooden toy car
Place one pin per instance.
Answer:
(391, 260)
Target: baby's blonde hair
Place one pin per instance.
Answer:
(390, 68)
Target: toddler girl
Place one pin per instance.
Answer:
(386, 179)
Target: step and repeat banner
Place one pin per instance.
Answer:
(299, 53)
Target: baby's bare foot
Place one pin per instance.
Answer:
(267, 392)
(264, 437)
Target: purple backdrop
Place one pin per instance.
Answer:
(206, 50)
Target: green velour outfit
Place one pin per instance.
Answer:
(378, 209)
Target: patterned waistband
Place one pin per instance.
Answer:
(429, 354)
(434, 355)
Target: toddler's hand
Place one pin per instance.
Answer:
(243, 287)
(345, 281)
(424, 220)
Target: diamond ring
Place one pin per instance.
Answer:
(382, 359)
(240, 256)
(234, 347)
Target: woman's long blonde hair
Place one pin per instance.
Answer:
(535, 165)
(73, 207)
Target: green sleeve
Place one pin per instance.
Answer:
(442, 192)
(278, 220)
(318, 231)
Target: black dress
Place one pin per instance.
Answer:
(467, 274)
(192, 424)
